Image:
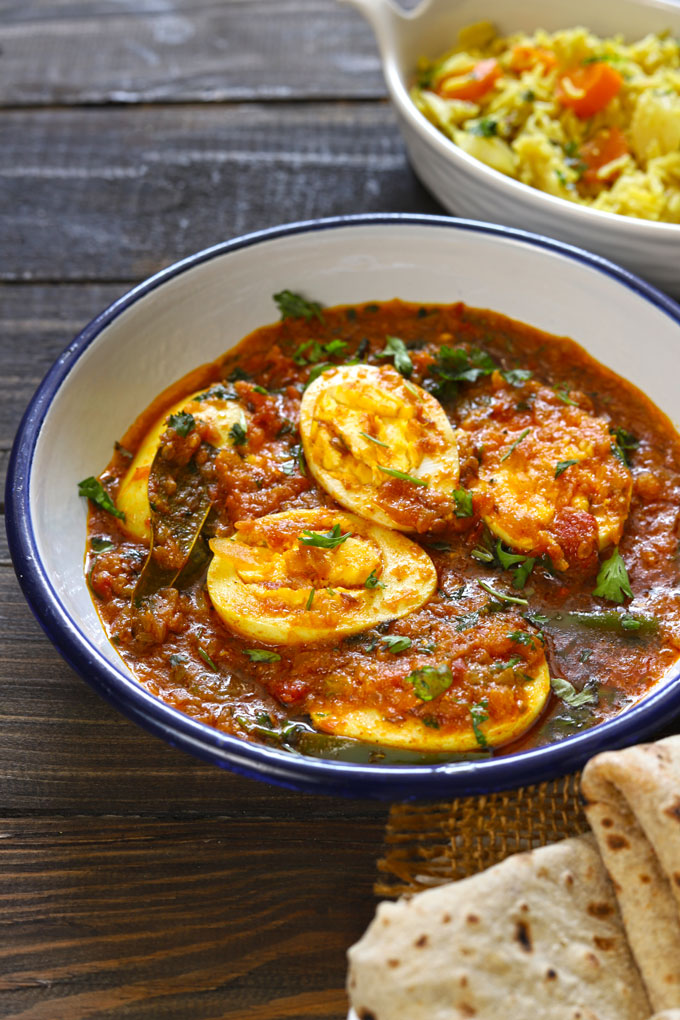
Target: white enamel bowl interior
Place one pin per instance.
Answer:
(194, 316)
(466, 186)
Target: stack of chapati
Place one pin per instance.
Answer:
(585, 929)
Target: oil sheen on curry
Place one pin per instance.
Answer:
(393, 532)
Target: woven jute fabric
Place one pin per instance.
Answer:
(429, 844)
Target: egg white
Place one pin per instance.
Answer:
(360, 422)
(368, 724)
(267, 585)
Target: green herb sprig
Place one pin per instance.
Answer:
(91, 488)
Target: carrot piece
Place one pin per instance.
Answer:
(587, 89)
(606, 146)
(473, 85)
(524, 57)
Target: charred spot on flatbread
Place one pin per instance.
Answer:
(600, 909)
(615, 842)
(523, 935)
(673, 810)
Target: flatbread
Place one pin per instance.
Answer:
(632, 801)
(538, 935)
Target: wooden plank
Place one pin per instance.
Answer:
(65, 750)
(117, 194)
(208, 918)
(160, 51)
(36, 324)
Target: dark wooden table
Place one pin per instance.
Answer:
(135, 881)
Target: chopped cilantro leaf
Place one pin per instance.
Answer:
(562, 391)
(568, 693)
(562, 466)
(402, 474)
(486, 127)
(91, 488)
(182, 423)
(324, 540)
(395, 643)
(522, 637)
(237, 434)
(456, 365)
(372, 581)
(430, 681)
(206, 658)
(612, 580)
(294, 306)
(374, 439)
(463, 501)
(517, 376)
(514, 445)
(479, 715)
(310, 600)
(318, 370)
(261, 655)
(625, 443)
(500, 596)
(396, 348)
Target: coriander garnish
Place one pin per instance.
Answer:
(374, 439)
(261, 655)
(396, 348)
(562, 466)
(372, 581)
(182, 422)
(402, 474)
(312, 593)
(91, 488)
(294, 306)
(612, 580)
(324, 540)
(501, 596)
(516, 443)
(206, 658)
(463, 501)
(430, 681)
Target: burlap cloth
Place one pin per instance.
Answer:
(429, 844)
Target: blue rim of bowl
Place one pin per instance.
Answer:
(255, 760)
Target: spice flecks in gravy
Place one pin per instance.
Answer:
(509, 592)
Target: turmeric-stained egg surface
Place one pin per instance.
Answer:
(393, 533)
(302, 576)
(549, 476)
(378, 444)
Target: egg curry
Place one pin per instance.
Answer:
(395, 533)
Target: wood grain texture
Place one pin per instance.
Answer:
(117, 194)
(64, 750)
(219, 918)
(171, 51)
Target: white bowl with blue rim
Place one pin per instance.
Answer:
(467, 187)
(195, 310)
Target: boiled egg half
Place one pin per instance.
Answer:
(315, 575)
(362, 427)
